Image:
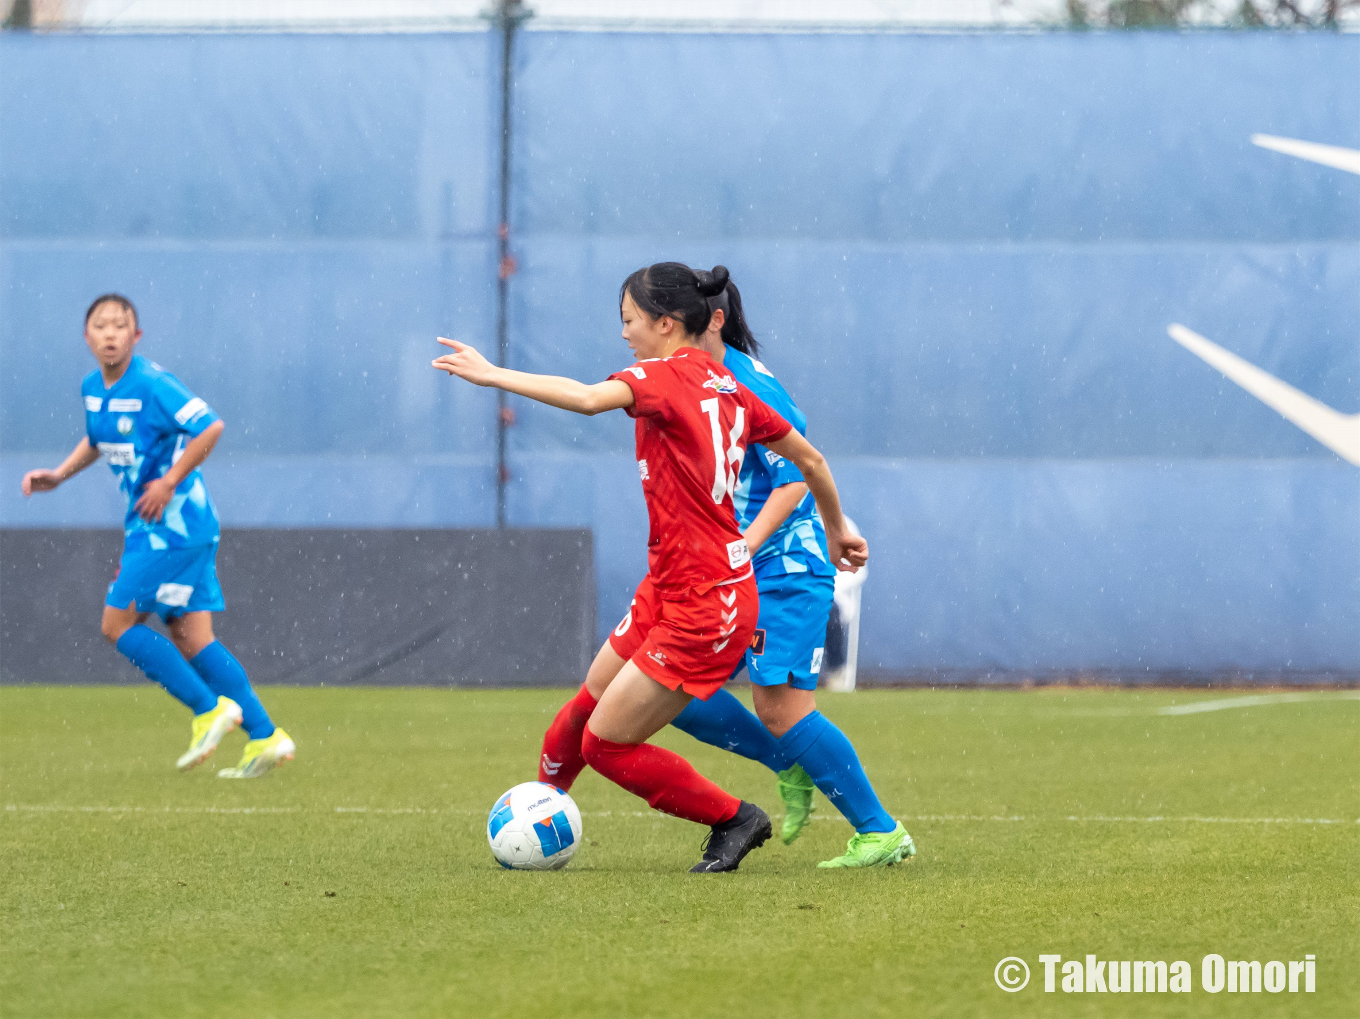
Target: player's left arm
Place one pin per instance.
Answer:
(848, 551)
(554, 390)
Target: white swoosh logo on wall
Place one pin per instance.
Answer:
(1338, 432)
(1328, 155)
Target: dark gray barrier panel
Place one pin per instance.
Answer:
(311, 607)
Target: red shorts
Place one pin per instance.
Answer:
(694, 644)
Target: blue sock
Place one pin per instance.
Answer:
(724, 722)
(161, 660)
(829, 757)
(221, 671)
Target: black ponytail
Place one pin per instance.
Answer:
(735, 332)
(674, 289)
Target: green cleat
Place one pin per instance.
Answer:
(795, 789)
(262, 755)
(208, 730)
(875, 849)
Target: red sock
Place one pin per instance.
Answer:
(561, 760)
(665, 780)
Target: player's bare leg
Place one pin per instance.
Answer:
(603, 669)
(782, 707)
(116, 622)
(191, 633)
(633, 707)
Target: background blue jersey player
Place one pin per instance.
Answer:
(155, 434)
(796, 582)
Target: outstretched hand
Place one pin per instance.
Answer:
(848, 552)
(465, 362)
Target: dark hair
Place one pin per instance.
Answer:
(674, 289)
(735, 332)
(117, 299)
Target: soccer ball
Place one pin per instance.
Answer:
(535, 826)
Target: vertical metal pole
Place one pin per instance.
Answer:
(509, 13)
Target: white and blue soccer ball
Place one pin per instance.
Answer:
(535, 826)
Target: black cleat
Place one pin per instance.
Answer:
(728, 843)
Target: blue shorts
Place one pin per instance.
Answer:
(791, 631)
(169, 583)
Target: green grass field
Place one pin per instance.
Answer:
(357, 881)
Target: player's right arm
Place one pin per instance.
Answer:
(45, 481)
(848, 551)
(778, 508)
(554, 390)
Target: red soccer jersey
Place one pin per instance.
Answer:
(694, 422)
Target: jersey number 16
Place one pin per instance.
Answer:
(726, 467)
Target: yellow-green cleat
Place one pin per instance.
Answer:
(208, 730)
(875, 849)
(262, 756)
(795, 789)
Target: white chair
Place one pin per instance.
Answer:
(849, 590)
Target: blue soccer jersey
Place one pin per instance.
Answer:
(799, 544)
(141, 425)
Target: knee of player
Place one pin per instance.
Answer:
(190, 643)
(780, 708)
(113, 629)
(776, 723)
(597, 752)
(186, 647)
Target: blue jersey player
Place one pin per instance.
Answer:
(796, 581)
(155, 434)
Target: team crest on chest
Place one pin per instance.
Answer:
(720, 383)
(125, 425)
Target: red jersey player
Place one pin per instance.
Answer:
(696, 611)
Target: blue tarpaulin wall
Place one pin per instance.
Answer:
(961, 254)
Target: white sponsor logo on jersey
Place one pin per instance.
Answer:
(175, 595)
(124, 406)
(94, 403)
(817, 660)
(720, 383)
(738, 553)
(642, 469)
(761, 368)
(119, 454)
(774, 458)
(638, 372)
(190, 410)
